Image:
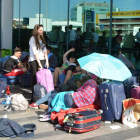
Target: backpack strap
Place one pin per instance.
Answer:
(49, 55)
(28, 128)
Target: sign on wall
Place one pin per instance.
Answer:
(124, 14)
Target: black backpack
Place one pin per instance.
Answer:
(9, 128)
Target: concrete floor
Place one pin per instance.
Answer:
(45, 130)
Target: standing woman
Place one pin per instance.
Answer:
(38, 54)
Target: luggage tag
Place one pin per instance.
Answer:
(106, 91)
(65, 119)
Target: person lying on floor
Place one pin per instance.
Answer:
(69, 86)
(87, 94)
(13, 67)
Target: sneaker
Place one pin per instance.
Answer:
(7, 108)
(43, 106)
(33, 105)
(45, 118)
(42, 116)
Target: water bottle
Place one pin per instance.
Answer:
(8, 99)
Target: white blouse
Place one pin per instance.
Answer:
(33, 51)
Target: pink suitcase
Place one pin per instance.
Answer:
(45, 78)
(135, 93)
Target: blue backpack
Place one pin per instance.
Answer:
(3, 86)
(9, 128)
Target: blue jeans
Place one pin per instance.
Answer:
(45, 98)
(68, 100)
(62, 77)
(49, 102)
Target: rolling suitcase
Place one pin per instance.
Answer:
(111, 96)
(45, 78)
(82, 121)
(135, 93)
(129, 84)
(25, 80)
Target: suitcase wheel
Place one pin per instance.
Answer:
(22, 85)
(112, 122)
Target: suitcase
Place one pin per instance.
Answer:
(3, 78)
(12, 80)
(111, 96)
(129, 84)
(82, 121)
(135, 93)
(45, 78)
(25, 80)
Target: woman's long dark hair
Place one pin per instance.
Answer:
(35, 34)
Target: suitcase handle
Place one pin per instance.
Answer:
(105, 96)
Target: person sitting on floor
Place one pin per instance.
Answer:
(13, 67)
(62, 72)
(53, 63)
(67, 74)
(68, 62)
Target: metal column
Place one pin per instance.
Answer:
(68, 24)
(110, 35)
(39, 10)
(19, 23)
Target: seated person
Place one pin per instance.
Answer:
(66, 74)
(87, 94)
(53, 63)
(13, 67)
(69, 62)
(66, 64)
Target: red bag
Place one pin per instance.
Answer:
(61, 114)
(7, 90)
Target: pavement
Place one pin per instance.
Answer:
(45, 130)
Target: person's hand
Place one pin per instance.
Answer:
(47, 65)
(40, 66)
(72, 50)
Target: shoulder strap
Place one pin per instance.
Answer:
(29, 131)
(49, 55)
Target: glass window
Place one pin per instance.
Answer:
(55, 28)
(92, 15)
(24, 21)
(128, 20)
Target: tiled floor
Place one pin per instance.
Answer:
(45, 130)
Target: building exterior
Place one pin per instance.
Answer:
(100, 8)
(50, 23)
(124, 20)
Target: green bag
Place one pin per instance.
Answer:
(5, 52)
(77, 77)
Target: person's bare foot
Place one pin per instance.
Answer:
(43, 106)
